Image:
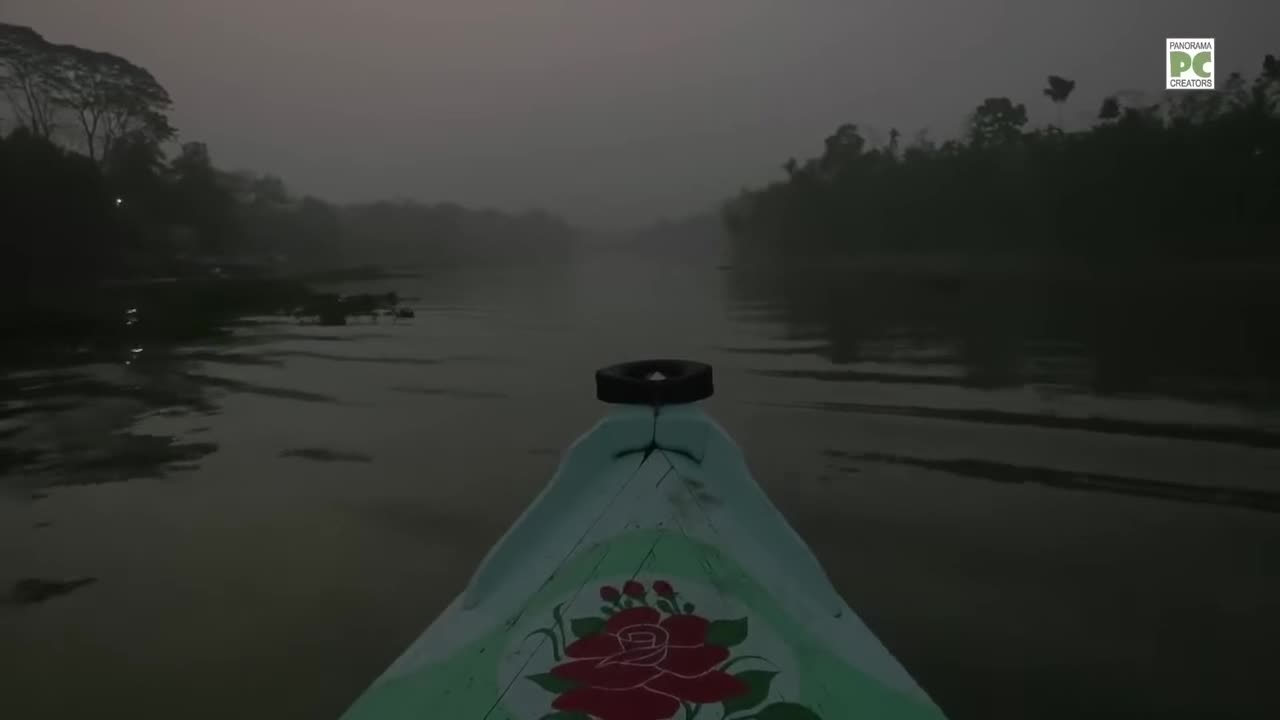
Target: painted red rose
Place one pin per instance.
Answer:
(640, 667)
(664, 589)
(609, 593)
(631, 588)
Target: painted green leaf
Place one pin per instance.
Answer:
(606, 609)
(584, 626)
(757, 682)
(727, 633)
(552, 684)
(665, 607)
(565, 716)
(688, 607)
(786, 711)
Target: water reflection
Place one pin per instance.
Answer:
(898, 375)
(1235, 435)
(1206, 334)
(75, 424)
(989, 468)
(1074, 465)
(326, 455)
(31, 591)
(1070, 480)
(245, 386)
(458, 393)
(375, 359)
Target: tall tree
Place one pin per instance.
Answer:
(109, 97)
(1271, 67)
(202, 199)
(1266, 88)
(997, 121)
(842, 146)
(842, 152)
(112, 98)
(32, 78)
(1103, 193)
(1058, 91)
(1110, 109)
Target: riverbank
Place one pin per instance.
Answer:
(111, 322)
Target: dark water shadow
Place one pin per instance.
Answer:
(108, 451)
(20, 409)
(229, 358)
(326, 455)
(13, 460)
(112, 397)
(459, 393)
(242, 386)
(843, 376)
(1232, 435)
(121, 457)
(59, 384)
(150, 373)
(33, 591)
(379, 359)
(157, 384)
(1246, 498)
(273, 338)
(1202, 334)
(813, 349)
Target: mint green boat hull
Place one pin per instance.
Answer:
(651, 579)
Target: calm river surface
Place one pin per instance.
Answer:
(270, 521)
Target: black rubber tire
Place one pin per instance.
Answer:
(631, 383)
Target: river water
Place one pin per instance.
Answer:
(270, 520)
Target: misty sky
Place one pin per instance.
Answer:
(613, 113)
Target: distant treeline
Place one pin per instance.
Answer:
(94, 191)
(410, 233)
(1195, 175)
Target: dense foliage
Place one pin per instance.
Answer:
(1197, 174)
(95, 192)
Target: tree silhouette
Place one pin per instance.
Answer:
(112, 98)
(1110, 109)
(109, 96)
(842, 148)
(202, 199)
(1107, 191)
(1058, 91)
(997, 121)
(91, 204)
(1266, 90)
(32, 78)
